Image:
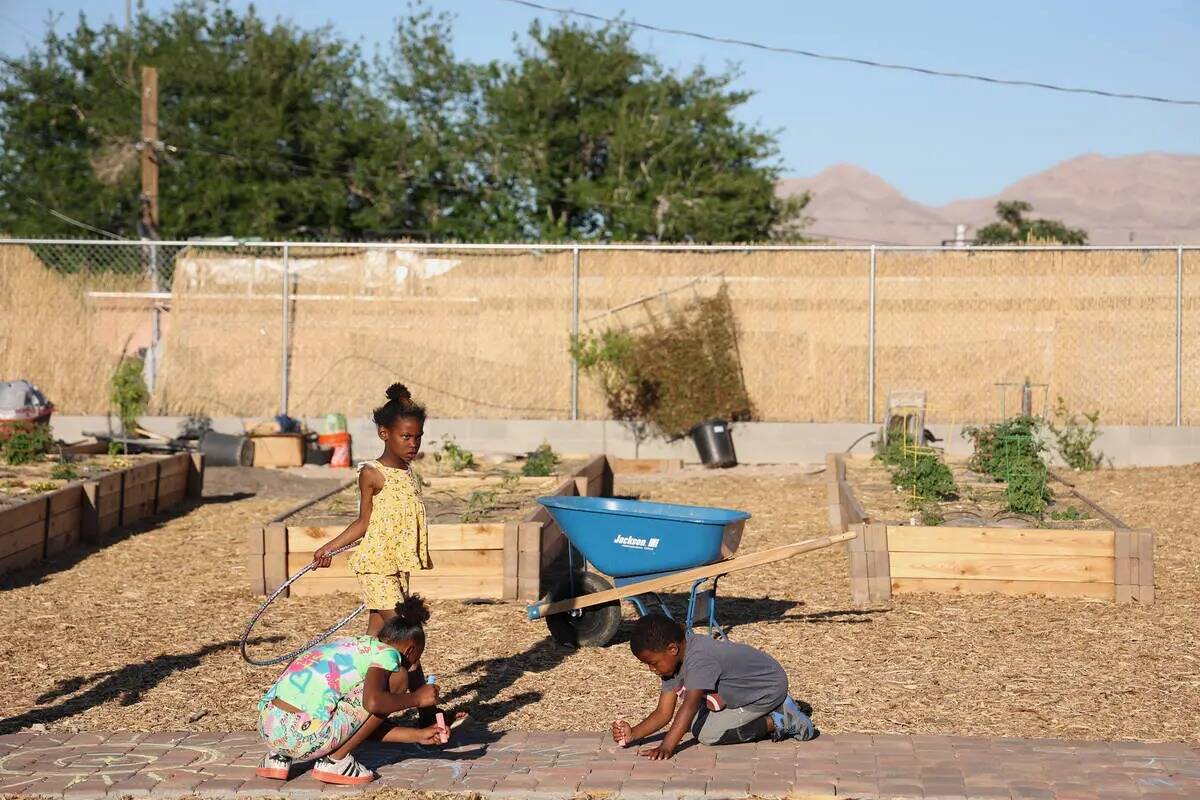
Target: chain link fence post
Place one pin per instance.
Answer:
(871, 341)
(574, 331)
(1179, 337)
(283, 388)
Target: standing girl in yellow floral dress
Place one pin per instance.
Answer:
(391, 516)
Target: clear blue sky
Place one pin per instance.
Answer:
(936, 139)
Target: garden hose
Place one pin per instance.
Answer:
(337, 626)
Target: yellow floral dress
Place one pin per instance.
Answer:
(397, 539)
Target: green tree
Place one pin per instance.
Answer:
(264, 126)
(275, 131)
(1014, 228)
(598, 141)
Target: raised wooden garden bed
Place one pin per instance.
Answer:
(515, 557)
(32, 530)
(1113, 562)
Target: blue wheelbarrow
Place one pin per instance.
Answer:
(645, 548)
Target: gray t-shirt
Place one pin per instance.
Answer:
(742, 675)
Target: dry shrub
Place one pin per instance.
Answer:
(53, 337)
(692, 360)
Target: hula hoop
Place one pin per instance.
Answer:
(337, 626)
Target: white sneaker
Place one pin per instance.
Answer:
(346, 772)
(274, 765)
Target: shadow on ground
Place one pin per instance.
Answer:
(126, 685)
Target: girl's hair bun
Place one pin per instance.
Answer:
(397, 392)
(412, 611)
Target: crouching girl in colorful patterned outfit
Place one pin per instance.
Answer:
(391, 516)
(339, 694)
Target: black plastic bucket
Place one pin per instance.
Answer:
(223, 450)
(714, 443)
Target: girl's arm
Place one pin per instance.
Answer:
(692, 701)
(658, 719)
(380, 699)
(370, 483)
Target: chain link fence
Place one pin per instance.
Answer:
(484, 331)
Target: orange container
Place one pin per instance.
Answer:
(340, 442)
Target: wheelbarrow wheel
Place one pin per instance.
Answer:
(594, 626)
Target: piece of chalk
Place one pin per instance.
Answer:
(441, 723)
(622, 743)
(431, 679)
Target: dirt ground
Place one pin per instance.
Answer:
(143, 633)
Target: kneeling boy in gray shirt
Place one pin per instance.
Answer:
(730, 692)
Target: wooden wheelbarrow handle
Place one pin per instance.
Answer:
(546, 608)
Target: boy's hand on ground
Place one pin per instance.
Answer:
(622, 732)
(430, 735)
(427, 695)
(659, 753)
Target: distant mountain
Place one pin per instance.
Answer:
(1151, 198)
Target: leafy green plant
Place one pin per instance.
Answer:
(1011, 451)
(924, 474)
(43, 486)
(25, 442)
(128, 393)
(930, 514)
(540, 462)
(608, 358)
(453, 456)
(891, 452)
(479, 504)
(1069, 513)
(115, 449)
(1074, 435)
(64, 471)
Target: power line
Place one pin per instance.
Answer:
(72, 221)
(860, 61)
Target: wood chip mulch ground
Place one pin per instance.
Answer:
(142, 634)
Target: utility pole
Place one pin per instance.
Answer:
(148, 217)
(150, 148)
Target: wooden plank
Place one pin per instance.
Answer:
(254, 573)
(593, 468)
(32, 535)
(141, 474)
(107, 523)
(1106, 591)
(90, 513)
(66, 523)
(196, 476)
(173, 483)
(446, 563)
(510, 552)
(835, 467)
(854, 512)
(645, 466)
(1125, 593)
(1000, 541)
(170, 499)
(877, 538)
(529, 560)
(837, 520)
(66, 498)
(253, 541)
(858, 565)
(1121, 573)
(430, 588)
(23, 514)
(109, 484)
(275, 538)
(688, 575)
(1145, 594)
(482, 536)
(1145, 554)
(859, 543)
(275, 571)
(989, 566)
(178, 464)
(21, 558)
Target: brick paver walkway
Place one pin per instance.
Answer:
(560, 765)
